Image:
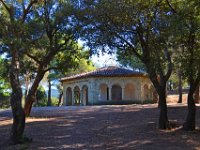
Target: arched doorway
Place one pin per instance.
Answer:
(146, 92)
(77, 97)
(85, 95)
(69, 96)
(129, 92)
(104, 92)
(116, 92)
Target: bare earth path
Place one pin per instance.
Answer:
(123, 127)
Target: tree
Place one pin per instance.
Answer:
(186, 35)
(180, 85)
(196, 95)
(60, 90)
(130, 61)
(140, 28)
(41, 96)
(57, 38)
(83, 65)
(12, 30)
(50, 77)
(39, 30)
(4, 83)
(80, 63)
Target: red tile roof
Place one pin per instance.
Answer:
(110, 71)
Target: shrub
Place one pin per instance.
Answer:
(41, 97)
(54, 101)
(4, 102)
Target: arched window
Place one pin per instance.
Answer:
(116, 92)
(85, 94)
(69, 96)
(129, 92)
(104, 92)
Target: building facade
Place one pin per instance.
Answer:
(106, 84)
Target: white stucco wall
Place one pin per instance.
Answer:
(94, 84)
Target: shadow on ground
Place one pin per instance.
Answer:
(105, 127)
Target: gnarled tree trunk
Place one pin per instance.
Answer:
(196, 95)
(18, 118)
(163, 118)
(160, 86)
(16, 102)
(31, 97)
(49, 93)
(180, 86)
(189, 125)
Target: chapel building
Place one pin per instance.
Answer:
(107, 84)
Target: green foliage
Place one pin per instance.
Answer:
(54, 101)
(83, 66)
(174, 80)
(41, 96)
(4, 101)
(130, 60)
(59, 88)
(187, 37)
(43, 37)
(139, 30)
(4, 84)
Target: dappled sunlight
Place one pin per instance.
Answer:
(29, 120)
(134, 143)
(174, 99)
(5, 121)
(105, 127)
(64, 136)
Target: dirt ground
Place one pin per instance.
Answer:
(121, 127)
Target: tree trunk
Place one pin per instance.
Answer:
(49, 94)
(18, 125)
(18, 119)
(31, 97)
(189, 125)
(160, 86)
(196, 95)
(163, 118)
(60, 99)
(180, 86)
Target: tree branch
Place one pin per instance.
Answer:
(169, 70)
(143, 42)
(4, 4)
(170, 6)
(34, 58)
(27, 10)
(51, 68)
(130, 45)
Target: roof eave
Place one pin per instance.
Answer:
(97, 76)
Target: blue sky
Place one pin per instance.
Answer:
(104, 60)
